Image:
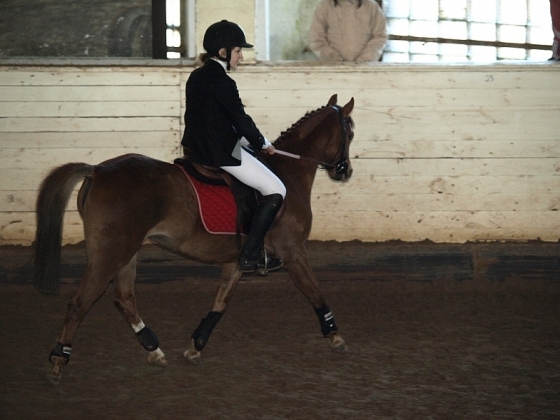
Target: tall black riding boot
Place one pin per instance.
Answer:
(252, 257)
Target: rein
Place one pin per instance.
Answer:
(299, 157)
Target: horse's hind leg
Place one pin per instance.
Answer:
(91, 288)
(229, 279)
(125, 302)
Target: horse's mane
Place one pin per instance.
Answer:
(297, 124)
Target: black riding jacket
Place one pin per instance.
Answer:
(215, 118)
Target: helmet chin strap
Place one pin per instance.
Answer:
(227, 58)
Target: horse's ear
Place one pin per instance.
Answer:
(347, 109)
(333, 100)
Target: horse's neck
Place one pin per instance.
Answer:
(297, 174)
(306, 138)
(307, 141)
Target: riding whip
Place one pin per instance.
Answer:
(281, 152)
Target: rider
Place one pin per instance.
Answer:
(216, 128)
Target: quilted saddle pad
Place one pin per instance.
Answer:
(216, 204)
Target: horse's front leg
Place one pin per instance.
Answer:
(301, 274)
(229, 279)
(125, 302)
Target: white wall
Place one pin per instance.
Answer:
(289, 26)
(241, 12)
(445, 153)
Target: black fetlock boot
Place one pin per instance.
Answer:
(252, 256)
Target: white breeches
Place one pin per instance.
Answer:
(253, 173)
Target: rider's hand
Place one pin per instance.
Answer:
(269, 150)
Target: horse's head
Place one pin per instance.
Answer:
(338, 144)
(322, 137)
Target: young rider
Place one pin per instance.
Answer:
(216, 128)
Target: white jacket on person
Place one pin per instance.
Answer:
(348, 33)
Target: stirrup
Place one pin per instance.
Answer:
(268, 264)
(262, 267)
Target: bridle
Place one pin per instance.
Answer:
(341, 166)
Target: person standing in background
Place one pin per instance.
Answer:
(348, 30)
(555, 15)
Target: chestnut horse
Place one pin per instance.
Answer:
(128, 199)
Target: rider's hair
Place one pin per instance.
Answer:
(202, 58)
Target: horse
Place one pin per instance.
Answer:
(132, 198)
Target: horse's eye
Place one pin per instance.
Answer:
(351, 136)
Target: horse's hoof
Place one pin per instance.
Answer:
(54, 377)
(337, 344)
(193, 356)
(157, 358)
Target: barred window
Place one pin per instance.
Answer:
(467, 30)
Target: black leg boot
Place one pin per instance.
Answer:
(252, 257)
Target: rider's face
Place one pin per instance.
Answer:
(236, 56)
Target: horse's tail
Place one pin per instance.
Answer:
(54, 194)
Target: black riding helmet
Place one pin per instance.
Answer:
(224, 34)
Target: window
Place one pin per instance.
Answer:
(180, 26)
(96, 28)
(419, 30)
(169, 25)
(426, 30)
(467, 30)
(173, 28)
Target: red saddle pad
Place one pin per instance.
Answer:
(216, 204)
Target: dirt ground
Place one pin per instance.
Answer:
(438, 349)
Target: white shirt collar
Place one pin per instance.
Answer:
(222, 63)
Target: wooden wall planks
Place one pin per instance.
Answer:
(445, 153)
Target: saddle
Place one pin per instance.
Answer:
(216, 186)
(206, 174)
